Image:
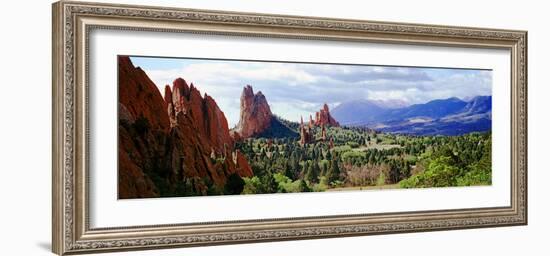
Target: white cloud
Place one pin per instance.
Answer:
(295, 90)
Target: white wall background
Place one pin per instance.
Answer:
(25, 116)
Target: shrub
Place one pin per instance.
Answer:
(353, 156)
(440, 173)
(252, 185)
(381, 180)
(353, 144)
(366, 175)
(344, 148)
(234, 185)
(321, 186)
(286, 185)
(475, 177)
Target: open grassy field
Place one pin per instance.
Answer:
(378, 146)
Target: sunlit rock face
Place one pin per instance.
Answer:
(255, 114)
(323, 117)
(182, 138)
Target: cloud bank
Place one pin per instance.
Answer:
(299, 89)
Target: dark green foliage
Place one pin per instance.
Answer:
(303, 187)
(440, 173)
(395, 171)
(312, 174)
(305, 169)
(269, 183)
(462, 161)
(277, 129)
(362, 157)
(234, 184)
(334, 171)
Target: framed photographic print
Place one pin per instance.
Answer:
(180, 127)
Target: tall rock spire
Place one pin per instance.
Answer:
(255, 115)
(323, 117)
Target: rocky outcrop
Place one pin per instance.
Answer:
(140, 95)
(323, 117)
(141, 131)
(256, 119)
(133, 157)
(207, 117)
(172, 146)
(306, 132)
(307, 135)
(322, 121)
(255, 115)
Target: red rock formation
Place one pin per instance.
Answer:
(208, 119)
(181, 139)
(306, 132)
(140, 95)
(216, 126)
(132, 182)
(323, 117)
(139, 105)
(255, 116)
(243, 168)
(235, 135)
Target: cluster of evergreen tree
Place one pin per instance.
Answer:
(356, 157)
(455, 161)
(283, 165)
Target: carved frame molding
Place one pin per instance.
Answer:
(72, 22)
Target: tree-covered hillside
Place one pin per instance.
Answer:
(359, 158)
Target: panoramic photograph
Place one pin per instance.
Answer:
(211, 127)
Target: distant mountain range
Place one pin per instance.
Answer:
(451, 116)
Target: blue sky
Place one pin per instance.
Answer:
(300, 89)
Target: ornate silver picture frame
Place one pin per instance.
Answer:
(72, 208)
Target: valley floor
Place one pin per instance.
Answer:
(387, 186)
(355, 159)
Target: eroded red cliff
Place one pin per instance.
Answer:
(140, 95)
(179, 144)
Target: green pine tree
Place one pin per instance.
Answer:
(334, 171)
